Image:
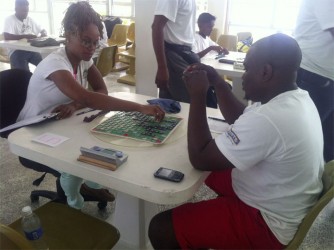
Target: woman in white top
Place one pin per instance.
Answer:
(60, 81)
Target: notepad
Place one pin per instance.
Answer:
(50, 139)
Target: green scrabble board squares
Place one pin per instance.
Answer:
(138, 126)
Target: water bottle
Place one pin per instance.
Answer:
(32, 228)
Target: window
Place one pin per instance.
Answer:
(125, 9)
(38, 10)
(263, 17)
(58, 8)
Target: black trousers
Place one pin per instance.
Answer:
(321, 90)
(179, 57)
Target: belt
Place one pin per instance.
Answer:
(177, 47)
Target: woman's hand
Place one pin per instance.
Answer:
(64, 110)
(153, 110)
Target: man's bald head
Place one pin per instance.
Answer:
(271, 67)
(280, 51)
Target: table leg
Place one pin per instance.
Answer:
(132, 217)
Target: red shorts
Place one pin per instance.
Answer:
(222, 223)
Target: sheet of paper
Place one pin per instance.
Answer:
(217, 126)
(50, 139)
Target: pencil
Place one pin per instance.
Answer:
(86, 111)
(217, 119)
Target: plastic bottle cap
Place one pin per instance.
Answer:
(119, 154)
(27, 210)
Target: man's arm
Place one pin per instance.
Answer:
(216, 48)
(9, 36)
(229, 105)
(202, 149)
(204, 52)
(162, 75)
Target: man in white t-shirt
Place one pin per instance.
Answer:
(203, 44)
(19, 26)
(266, 167)
(314, 33)
(173, 32)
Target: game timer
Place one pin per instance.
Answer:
(105, 154)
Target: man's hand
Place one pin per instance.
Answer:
(212, 75)
(30, 36)
(196, 80)
(162, 78)
(220, 50)
(43, 33)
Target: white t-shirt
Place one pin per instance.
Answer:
(202, 43)
(317, 44)
(180, 28)
(277, 149)
(16, 27)
(43, 95)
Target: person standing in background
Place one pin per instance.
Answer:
(203, 44)
(314, 33)
(19, 26)
(173, 32)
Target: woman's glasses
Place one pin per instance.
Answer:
(88, 43)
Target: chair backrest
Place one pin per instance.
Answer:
(131, 33)
(11, 239)
(3, 52)
(106, 60)
(214, 34)
(110, 23)
(13, 92)
(69, 228)
(118, 35)
(228, 41)
(243, 35)
(326, 196)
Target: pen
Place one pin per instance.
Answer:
(216, 119)
(86, 111)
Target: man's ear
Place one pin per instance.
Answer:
(267, 72)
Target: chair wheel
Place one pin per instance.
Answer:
(34, 198)
(102, 205)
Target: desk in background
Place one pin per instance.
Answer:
(23, 44)
(228, 70)
(139, 192)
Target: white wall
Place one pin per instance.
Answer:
(218, 8)
(146, 65)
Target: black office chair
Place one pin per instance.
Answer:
(13, 91)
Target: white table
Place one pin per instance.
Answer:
(23, 44)
(228, 70)
(139, 192)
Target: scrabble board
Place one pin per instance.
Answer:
(138, 126)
